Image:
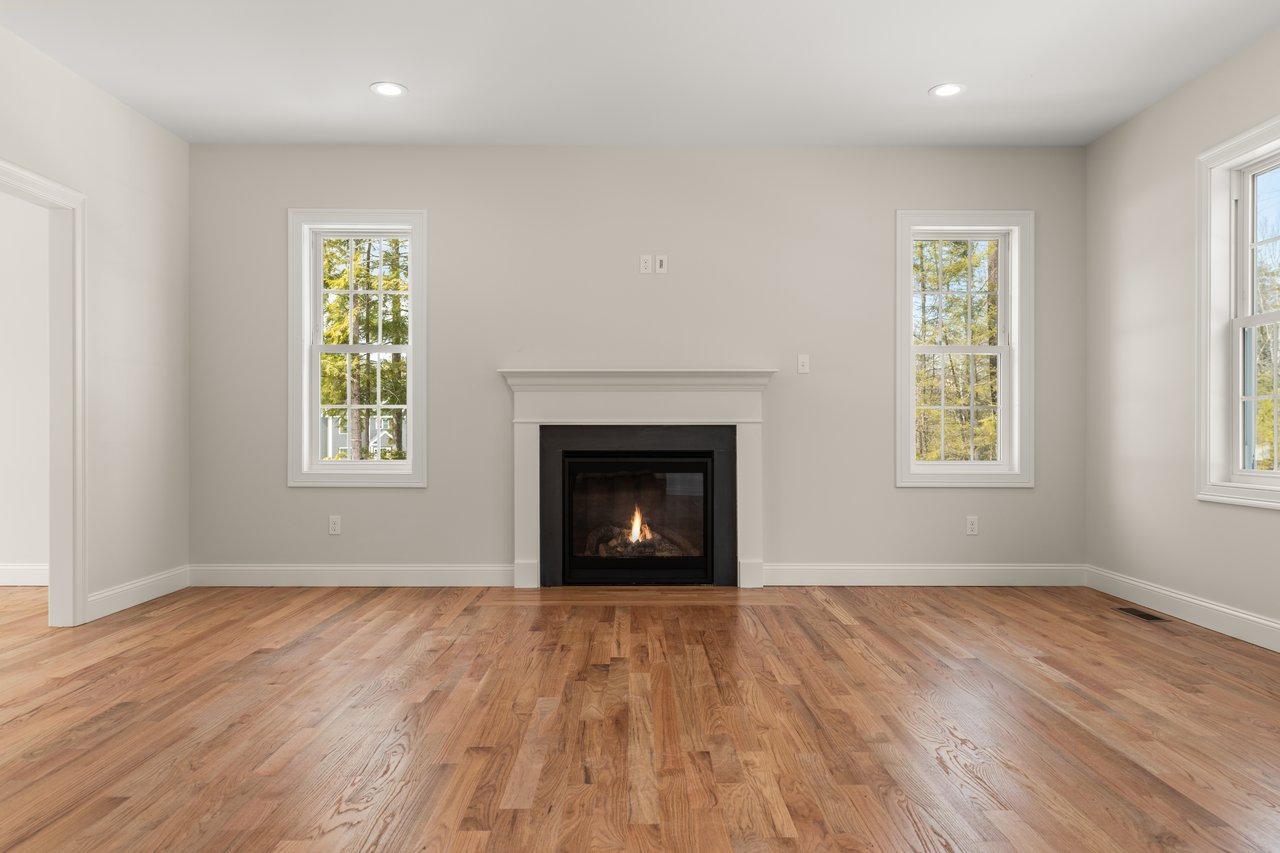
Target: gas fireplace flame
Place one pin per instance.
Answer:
(639, 530)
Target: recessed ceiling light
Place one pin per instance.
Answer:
(387, 89)
(947, 90)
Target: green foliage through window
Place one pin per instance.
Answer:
(956, 310)
(1259, 338)
(364, 395)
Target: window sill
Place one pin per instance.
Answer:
(1240, 494)
(403, 478)
(964, 484)
(352, 484)
(966, 480)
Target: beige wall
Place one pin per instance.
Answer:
(533, 256)
(24, 419)
(134, 175)
(1143, 517)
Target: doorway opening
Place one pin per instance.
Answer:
(43, 241)
(24, 428)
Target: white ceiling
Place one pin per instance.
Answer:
(746, 72)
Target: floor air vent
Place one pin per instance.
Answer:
(1142, 614)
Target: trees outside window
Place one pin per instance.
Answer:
(1258, 319)
(364, 371)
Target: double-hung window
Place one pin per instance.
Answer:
(1238, 432)
(357, 350)
(1257, 318)
(964, 348)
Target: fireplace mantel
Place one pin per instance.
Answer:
(640, 396)
(604, 379)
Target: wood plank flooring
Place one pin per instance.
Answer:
(803, 719)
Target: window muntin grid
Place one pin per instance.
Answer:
(363, 347)
(1257, 324)
(959, 348)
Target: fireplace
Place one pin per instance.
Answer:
(637, 518)
(638, 505)
(548, 401)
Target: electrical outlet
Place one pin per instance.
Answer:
(802, 363)
(971, 526)
(335, 525)
(646, 263)
(660, 264)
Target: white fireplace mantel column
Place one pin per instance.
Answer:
(640, 397)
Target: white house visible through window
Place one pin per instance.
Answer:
(964, 348)
(357, 361)
(1238, 281)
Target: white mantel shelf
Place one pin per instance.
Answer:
(605, 379)
(640, 396)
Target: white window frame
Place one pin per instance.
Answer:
(1223, 304)
(306, 227)
(1015, 229)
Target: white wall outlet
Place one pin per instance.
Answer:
(335, 525)
(802, 363)
(971, 526)
(660, 264)
(646, 263)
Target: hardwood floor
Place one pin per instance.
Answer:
(934, 719)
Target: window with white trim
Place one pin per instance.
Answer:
(964, 348)
(357, 354)
(1238, 278)
(1258, 317)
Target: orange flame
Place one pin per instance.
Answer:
(640, 531)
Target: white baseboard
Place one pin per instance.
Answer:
(24, 574)
(924, 574)
(117, 598)
(285, 574)
(776, 574)
(1241, 624)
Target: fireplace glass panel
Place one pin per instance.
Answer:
(637, 509)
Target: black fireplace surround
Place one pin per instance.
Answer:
(638, 505)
